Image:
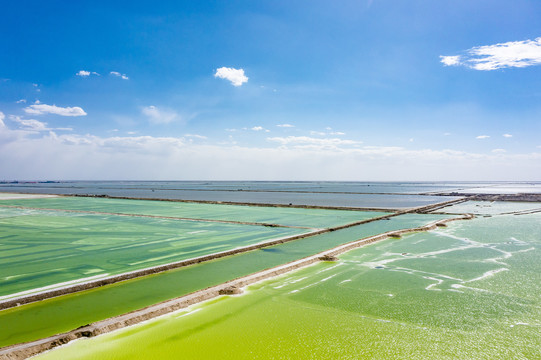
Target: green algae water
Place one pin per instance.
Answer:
(469, 291)
(86, 247)
(64, 313)
(315, 218)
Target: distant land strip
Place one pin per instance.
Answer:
(25, 350)
(426, 193)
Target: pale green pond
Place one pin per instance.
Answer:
(86, 245)
(56, 315)
(469, 291)
(40, 249)
(492, 207)
(314, 218)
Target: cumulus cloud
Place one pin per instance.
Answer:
(483, 137)
(40, 109)
(285, 125)
(159, 116)
(450, 60)
(2, 117)
(117, 74)
(84, 73)
(507, 135)
(498, 56)
(235, 76)
(257, 128)
(21, 101)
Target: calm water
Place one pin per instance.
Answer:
(348, 194)
(60, 314)
(470, 291)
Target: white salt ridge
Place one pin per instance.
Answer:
(188, 313)
(487, 274)
(458, 286)
(520, 323)
(437, 282)
(290, 281)
(318, 282)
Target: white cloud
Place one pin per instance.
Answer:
(159, 116)
(49, 155)
(22, 101)
(503, 55)
(257, 128)
(339, 133)
(302, 141)
(117, 74)
(31, 124)
(450, 60)
(84, 73)
(499, 151)
(319, 133)
(40, 109)
(507, 135)
(285, 125)
(235, 76)
(195, 136)
(2, 117)
(483, 137)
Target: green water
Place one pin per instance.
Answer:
(491, 207)
(49, 317)
(470, 291)
(316, 218)
(41, 248)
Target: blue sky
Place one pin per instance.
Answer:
(277, 90)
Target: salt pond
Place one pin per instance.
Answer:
(468, 291)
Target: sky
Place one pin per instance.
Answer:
(367, 90)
